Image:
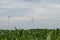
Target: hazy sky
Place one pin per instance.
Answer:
(44, 12)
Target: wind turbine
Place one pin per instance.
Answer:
(32, 22)
(8, 21)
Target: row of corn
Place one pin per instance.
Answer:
(32, 34)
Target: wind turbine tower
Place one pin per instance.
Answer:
(8, 21)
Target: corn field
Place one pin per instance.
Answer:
(32, 34)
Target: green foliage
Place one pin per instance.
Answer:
(33, 34)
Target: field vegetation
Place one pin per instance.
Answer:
(31, 34)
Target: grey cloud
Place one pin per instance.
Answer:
(15, 12)
(36, 1)
(50, 1)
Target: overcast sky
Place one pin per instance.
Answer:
(44, 12)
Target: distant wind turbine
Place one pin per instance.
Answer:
(8, 21)
(32, 22)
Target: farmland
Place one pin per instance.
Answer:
(31, 34)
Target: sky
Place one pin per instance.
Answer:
(45, 14)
